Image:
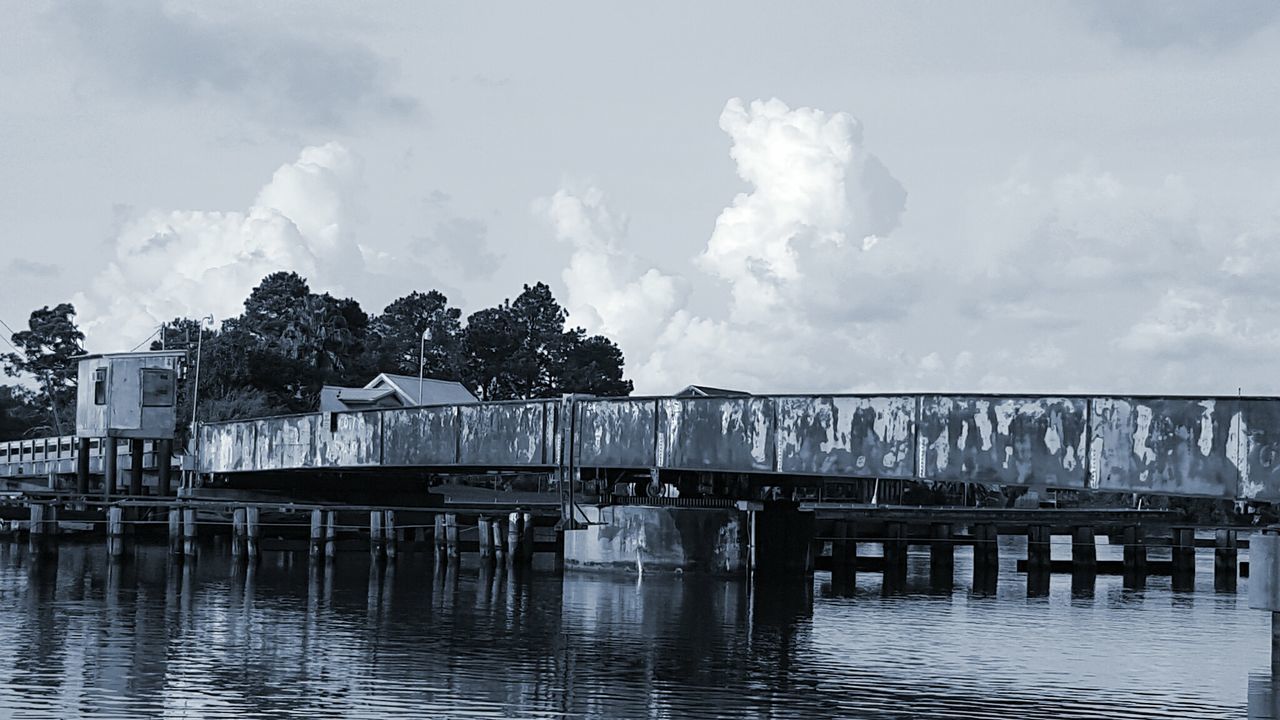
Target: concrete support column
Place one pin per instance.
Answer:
(486, 539)
(439, 534)
(82, 466)
(1038, 549)
(451, 535)
(1183, 543)
(330, 535)
(135, 466)
(175, 530)
(895, 551)
(189, 532)
(376, 546)
(843, 572)
(237, 532)
(109, 469)
(164, 467)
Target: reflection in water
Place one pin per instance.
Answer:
(151, 635)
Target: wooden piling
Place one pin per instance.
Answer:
(498, 539)
(253, 531)
(237, 532)
(82, 466)
(36, 528)
(513, 536)
(135, 466)
(941, 554)
(316, 547)
(115, 531)
(330, 535)
(1084, 550)
(164, 461)
(109, 472)
(390, 533)
(1135, 551)
(526, 542)
(1183, 543)
(986, 558)
(486, 538)
(895, 550)
(439, 534)
(451, 534)
(189, 532)
(1038, 548)
(1225, 559)
(376, 545)
(175, 530)
(841, 569)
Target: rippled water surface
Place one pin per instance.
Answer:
(149, 637)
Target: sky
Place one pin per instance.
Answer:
(817, 197)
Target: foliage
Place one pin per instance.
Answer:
(20, 415)
(289, 342)
(45, 352)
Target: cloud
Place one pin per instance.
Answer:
(1160, 24)
(806, 257)
(22, 266)
(159, 50)
(610, 289)
(170, 263)
(818, 202)
(457, 249)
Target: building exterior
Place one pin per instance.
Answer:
(128, 395)
(388, 390)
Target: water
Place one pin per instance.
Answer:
(153, 638)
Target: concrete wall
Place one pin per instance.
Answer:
(660, 539)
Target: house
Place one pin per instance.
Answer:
(389, 390)
(696, 391)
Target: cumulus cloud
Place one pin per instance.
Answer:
(610, 289)
(818, 201)
(805, 255)
(169, 263)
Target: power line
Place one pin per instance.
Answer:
(153, 334)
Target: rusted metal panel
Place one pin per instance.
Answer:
(420, 436)
(1164, 445)
(849, 436)
(616, 433)
(351, 439)
(225, 447)
(1253, 448)
(503, 434)
(1008, 440)
(731, 434)
(286, 443)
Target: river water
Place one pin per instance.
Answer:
(149, 637)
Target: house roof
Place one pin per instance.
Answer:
(708, 391)
(338, 399)
(434, 392)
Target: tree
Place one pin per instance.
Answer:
(592, 365)
(45, 352)
(20, 415)
(520, 349)
(396, 336)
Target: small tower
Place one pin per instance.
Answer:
(130, 395)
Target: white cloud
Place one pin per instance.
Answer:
(803, 254)
(169, 263)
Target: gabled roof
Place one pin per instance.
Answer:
(708, 391)
(434, 392)
(339, 399)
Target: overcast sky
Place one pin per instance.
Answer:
(788, 197)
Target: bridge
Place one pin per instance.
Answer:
(722, 483)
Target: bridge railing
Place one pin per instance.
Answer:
(1224, 447)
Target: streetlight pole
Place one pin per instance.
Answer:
(422, 360)
(195, 390)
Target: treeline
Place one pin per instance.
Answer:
(289, 342)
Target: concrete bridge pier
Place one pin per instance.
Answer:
(986, 558)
